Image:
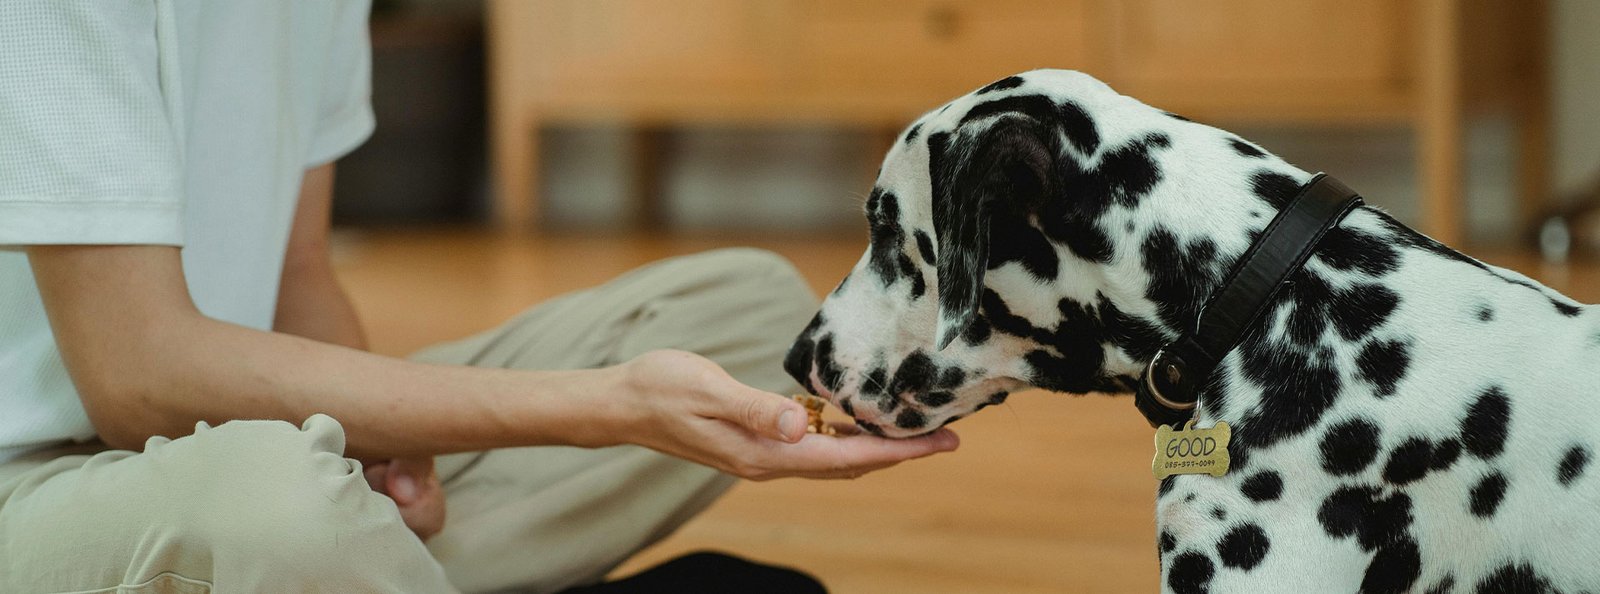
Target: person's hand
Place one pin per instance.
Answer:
(415, 489)
(685, 405)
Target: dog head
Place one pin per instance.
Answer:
(1012, 245)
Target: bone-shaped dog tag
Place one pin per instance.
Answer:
(1192, 451)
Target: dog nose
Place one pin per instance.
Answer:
(798, 362)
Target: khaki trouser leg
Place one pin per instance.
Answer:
(247, 506)
(546, 518)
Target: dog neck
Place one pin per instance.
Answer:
(1375, 300)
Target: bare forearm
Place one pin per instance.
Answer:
(213, 371)
(313, 305)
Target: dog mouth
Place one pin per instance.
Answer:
(908, 415)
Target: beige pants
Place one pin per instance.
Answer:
(265, 506)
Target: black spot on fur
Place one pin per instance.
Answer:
(1079, 128)
(1515, 579)
(1082, 236)
(1124, 175)
(1041, 108)
(1063, 374)
(1409, 461)
(1485, 313)
(1483, 431)
(1311, 296)
(1394, 568)
(1276, 188)
(1487, 494)
(869, 428)
(1129, 172)
(828, 370)
(1188, 498)
(848, 406)
(1348, 447)
(1245, 148)
(1297, 388)
(1190, 573)
(978, 332)
(1347, 248)
(951, 377)
(1075, 366)
(919, 286)
(911, 135)
(1360, 511)
(1167, 542)
(1166, 486)
(999, 315)
(887, 237)
(1013, 239)
(1009, 82)
(1244, 547)
(1136, 336)
(925, 248)
(1067, 116)
(1445, 453)
(916, 374)
(1383, 363)
(1572, 465)
(1358, 310)
(1444, 586)
(1263, 486)
(1219, 513)
(876, 381)
(1180, 276)
(1176, 116)
(910, 418)
(935, 399)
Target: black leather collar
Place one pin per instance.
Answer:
(1168, 390)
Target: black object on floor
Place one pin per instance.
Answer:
(710, 573)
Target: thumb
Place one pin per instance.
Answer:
(768, 414)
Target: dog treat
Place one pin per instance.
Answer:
(814, 407)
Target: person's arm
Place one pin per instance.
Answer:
(310, 301)
(312, 304)
(147, 362)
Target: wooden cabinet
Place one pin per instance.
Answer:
(1237, 58)
(880, 63)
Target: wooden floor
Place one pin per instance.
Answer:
(1049, 493)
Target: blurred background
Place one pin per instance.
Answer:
(530, 147)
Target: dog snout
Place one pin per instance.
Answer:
(798, 362)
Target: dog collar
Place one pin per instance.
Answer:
(1168, 390)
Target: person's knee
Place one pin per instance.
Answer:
(774, 278)
(267, 492)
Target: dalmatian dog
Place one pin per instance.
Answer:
(1405, 418)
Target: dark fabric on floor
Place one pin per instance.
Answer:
(710, 573)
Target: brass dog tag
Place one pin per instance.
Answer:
(1191, 450)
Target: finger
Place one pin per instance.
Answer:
(867, 451)
(409, 478)
(847, 474)
(763, 413)
(377, 474)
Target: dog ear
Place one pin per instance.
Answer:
(1004, 158)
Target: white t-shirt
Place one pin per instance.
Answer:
(169, 122)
